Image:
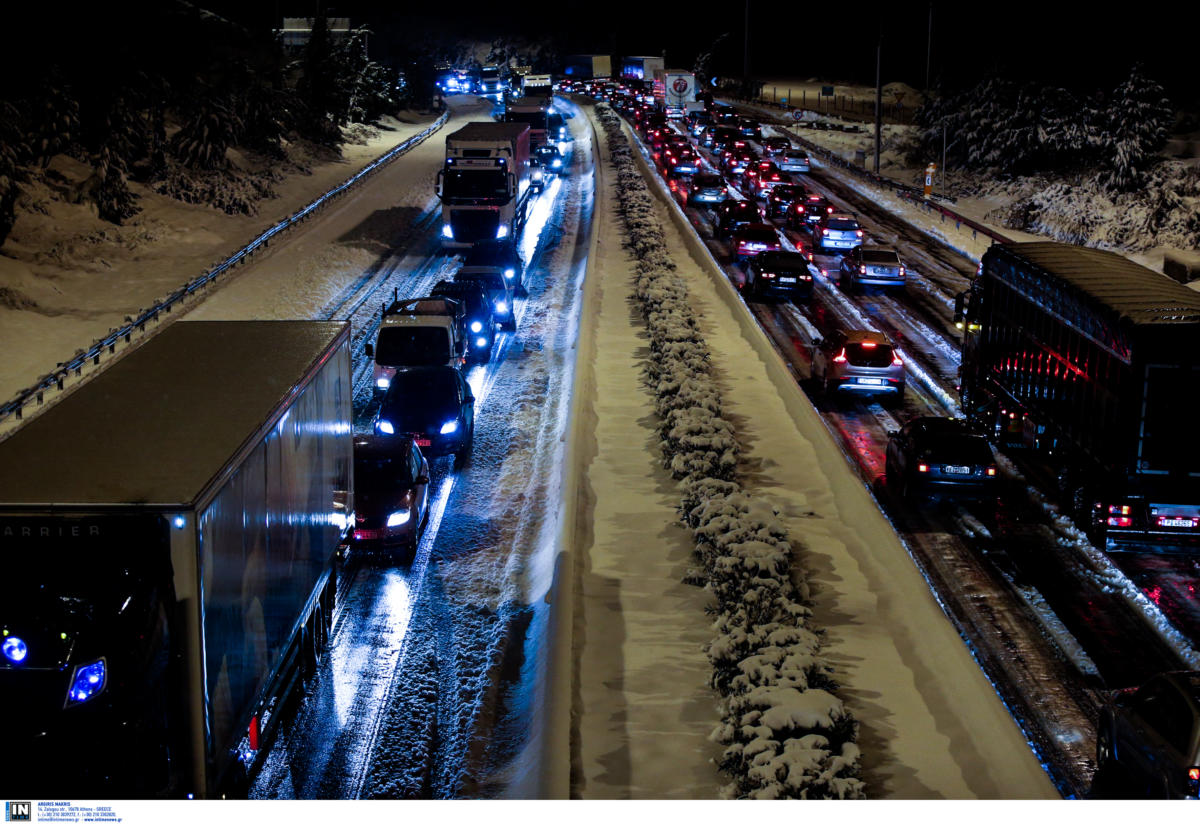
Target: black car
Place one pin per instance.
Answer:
(551, 159)
(480, 321)
(500, 256)
(434, 406)
(1148, 738)
(734, 213)
(391, 492)
(749, 127)
(779, 273)
(723, 137)
(780, 197)
(943, 458)
(808, 211)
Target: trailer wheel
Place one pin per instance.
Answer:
(316, 639)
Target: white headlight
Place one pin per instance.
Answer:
(501, 231)
(383, 383)
(476, 326)
(449, 426)
(447, 231)
(385, 427)
(509, 273)
(501, 307)
(398, 518)
(481, 341)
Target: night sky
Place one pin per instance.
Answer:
(1086, 47)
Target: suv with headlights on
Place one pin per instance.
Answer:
(499, 256)
(480, 324)
(859, 362)
(434, 406)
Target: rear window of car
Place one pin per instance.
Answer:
(797, 155)
(885, 258)
(707, 181)
(842, 224)
(960, 449)
(488, 280)
(783, 262)
(758, 235)
(878, 355)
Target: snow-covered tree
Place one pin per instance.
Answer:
(14, 152)
(54, 119)
(1138, 123)
(210, 130)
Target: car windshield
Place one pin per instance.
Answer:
(869, 354)
(412, 346)
(843, 225)
(488, 280)
(377, 473)
(880, 257)
(423, 382)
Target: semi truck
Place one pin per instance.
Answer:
(170, 534)
(641, 68)
(588, 66)
(675, 92)
(492, 82)
(484, 185)
(1086, 364)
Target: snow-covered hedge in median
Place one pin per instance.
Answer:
(786, 733)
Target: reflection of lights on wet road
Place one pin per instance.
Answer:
(356, 652)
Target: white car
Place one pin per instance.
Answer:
(793, 160)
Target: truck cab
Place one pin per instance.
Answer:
(418, 332)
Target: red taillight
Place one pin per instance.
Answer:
(1120, 520)
(859, 233)
(991, 471)
(840, 357)
(922, 467)
(768, 274)
(901, 271)
(896, 361)
(1194, 774)
(824, 231)
(829, 209)
(862, 270)
(252, 732)
(1118, 510)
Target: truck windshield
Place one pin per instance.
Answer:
(412, 346)
(475, 184)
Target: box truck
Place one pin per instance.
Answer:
(169, 534)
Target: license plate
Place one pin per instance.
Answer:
(871, 381)
(422, 441)
(957, 470)
(787, 280)
(887, 273)
(368, 534)
(1175, 522)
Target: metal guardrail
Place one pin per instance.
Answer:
(57, 378)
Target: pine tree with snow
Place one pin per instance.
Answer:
(206, 135)
(1139, 120)
(55, 120)
(320, 86)
(14, 152)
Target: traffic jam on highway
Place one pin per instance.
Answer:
(1011, 417)
(1017, 419)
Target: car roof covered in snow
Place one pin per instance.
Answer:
(1140, 295)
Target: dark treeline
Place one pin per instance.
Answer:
(108, 85)
(1016, 128)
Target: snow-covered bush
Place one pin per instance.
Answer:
(786, 734)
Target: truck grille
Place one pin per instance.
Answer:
(472, 225)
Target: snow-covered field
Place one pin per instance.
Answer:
(67, 277)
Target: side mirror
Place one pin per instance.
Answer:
(422, 479)
(369, 350)
(438, 187)
(893, 433)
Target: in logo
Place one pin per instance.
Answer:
(680, 85)
(18, 811)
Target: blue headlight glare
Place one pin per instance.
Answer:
(510, 273)
(481, 341)
(449, 427)
(15, 649)
(178, 521)
(87, 683)
(501, 231)
(447, 231)
(476, 326)
(501, 307)
(383, 383)
(398, 518)
(385, 427)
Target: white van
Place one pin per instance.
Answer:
(418, 332)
